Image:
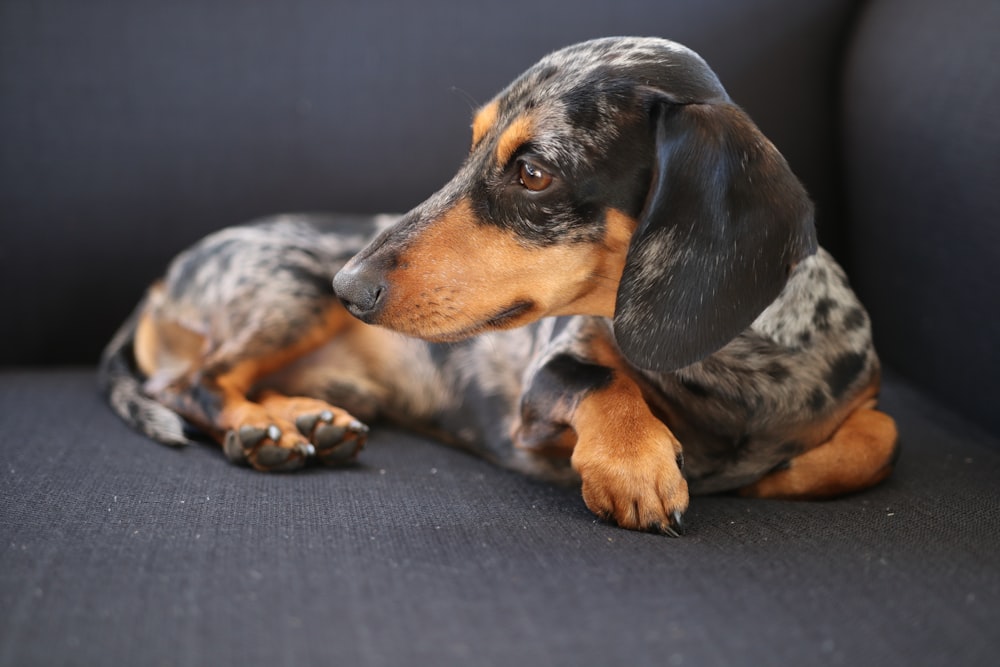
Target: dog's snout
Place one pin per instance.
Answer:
(361, 291)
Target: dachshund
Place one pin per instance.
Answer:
(621, 286)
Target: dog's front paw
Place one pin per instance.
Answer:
(637, 484)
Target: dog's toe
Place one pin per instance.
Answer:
(340, 444)
(337, 438)
(233, 447)
(273, 457)
(267, 448)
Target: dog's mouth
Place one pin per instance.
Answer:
(508, 318)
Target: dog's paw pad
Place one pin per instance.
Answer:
(264, 449)
(233, 447)
(307, 423)
(337, 437)
(340, 444)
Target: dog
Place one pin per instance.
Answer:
(620, 286)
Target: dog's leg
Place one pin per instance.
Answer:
(268, 431)
(860, 454)
(583, 403)
(278, 432)
(628, 460)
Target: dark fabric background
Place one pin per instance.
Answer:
(130, 129)
(117, 551)
(922, 121)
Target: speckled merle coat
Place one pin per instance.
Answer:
(620, 285)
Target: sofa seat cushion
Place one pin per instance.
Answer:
(118, 551)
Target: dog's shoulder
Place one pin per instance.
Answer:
(817, 308)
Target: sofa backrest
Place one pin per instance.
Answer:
(129, 128)
(922, 141)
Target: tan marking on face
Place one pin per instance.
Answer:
(610, 263)
(520, 131)
(461, 277)
(484, 119)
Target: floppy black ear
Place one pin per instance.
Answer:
(724, 221)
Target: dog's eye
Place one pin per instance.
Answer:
(533, 178)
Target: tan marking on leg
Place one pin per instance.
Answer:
(484, 119)
(146, 345)
(372, 371)
(859, 455)
(190, 393)
(516, 134)
(164, 350)
(238, 413)
(242, 376)
(291, 408)
(627, 459)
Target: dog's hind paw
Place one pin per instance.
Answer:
(336, 441)
(266, 448)
(282, 433)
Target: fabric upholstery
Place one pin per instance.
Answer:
(117, 551)
(130, 129)
(923, 141)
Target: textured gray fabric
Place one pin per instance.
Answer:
(116, 551)
(923, 141)
(129, 128)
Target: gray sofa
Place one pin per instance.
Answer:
(130, 129)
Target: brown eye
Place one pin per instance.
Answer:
(534, 178)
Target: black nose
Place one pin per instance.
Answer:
(361, 291)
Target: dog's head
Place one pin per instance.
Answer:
(613, 178)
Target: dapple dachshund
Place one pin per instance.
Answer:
(621, 285)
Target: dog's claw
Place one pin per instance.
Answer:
(669, 531)
(678, 522)
(672, 528)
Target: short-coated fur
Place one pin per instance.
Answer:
(620, 286)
